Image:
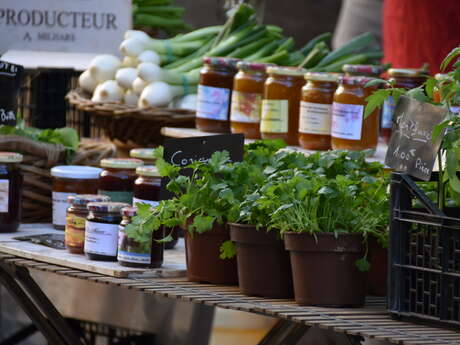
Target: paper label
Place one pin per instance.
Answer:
(101, 238)
(142, 201)
(246, 107)
(387, 112)
(4, 195)
(213, 103)
(315, 118)
(455, 109)
(126, 252)
(275, 116)
(347, 121)
(126, 197)
(60, 206)
(75, 231)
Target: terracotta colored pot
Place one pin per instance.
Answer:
(377, 276)
(324, 270)
(264, 267)
(202, 255)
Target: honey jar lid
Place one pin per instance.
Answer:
(121, 163)
(292, 71)
(84, 199)
(142, 153)
(148, 170)
(253, 66)
(408, 72)
(355, 80)
(107, 206)
(80, 172)
(129, 211)
(322, 76)
(221, 62)
(363, 69)
(10, 157)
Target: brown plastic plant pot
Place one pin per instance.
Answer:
(324, 269)
(377, 276)
(264, 267)
(203, 262)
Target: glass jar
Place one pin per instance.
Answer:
(144, 154)
(147, 186)
(101, 230)
(281, 104)
(10, 191)
(316, 111)
(214, 94)
(71, 180)
(76, 219)
(373, 71)
(117, 179)
(248, 90)
(349, 130)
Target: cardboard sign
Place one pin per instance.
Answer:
(411, 148)
(92, 26)
(182, 152)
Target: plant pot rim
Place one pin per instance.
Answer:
(294, 233)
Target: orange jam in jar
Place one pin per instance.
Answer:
(363, 70)
(316, 111)
(350, 130)
(281, 104)
(214, 94)
(248, 90)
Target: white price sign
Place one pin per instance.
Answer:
(83, 26)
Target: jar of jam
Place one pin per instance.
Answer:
(71, 180)
(101, 230)
(147, 186)
(350, 130)
(454, 106)
(248, 90)
(316, 111)
(117, 179)
(373, 71)
(214, 94)
(144, 154)
(281, 104)
(76, 219)
(10, 191)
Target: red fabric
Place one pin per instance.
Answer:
(419, 31)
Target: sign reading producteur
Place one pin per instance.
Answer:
(93, 26)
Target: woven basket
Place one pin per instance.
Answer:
(128, 126)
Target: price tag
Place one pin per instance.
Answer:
(412, 149)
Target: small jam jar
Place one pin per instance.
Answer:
(248, 90)
(10, 191)
(101, 230)
(70, 180)
(144, 154)
(147, 186)
(214, 94)
(316, 110)
(117, 179)
(281, 104)
(76, 219)
(349, 130)
(373, 71)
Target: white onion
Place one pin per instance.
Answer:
(108, 91)
(87, 82)
(104, 67)
(139, 85)
(157, 94)
(131, 98)
(132, 47)
(149, 56)
(149, 72)
(126, 76)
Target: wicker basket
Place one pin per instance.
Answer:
(128, 126)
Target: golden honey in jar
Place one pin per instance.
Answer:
(281, 104)
(316, 111)
(248, 90)
(373, 71)
(349, 129)
(214, 94)
(11, 180)
(144, 154)
(71, 180)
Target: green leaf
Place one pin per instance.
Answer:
(451, 168)
(439, 128)
(202, 223)
(376, 82)
(429, 86)
(227, 250)
(376, 100)
(448, 59)
(363, 265)
(166, 239)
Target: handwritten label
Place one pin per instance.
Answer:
(213, 103)
(411, 148)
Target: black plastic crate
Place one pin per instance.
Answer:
(424, 274)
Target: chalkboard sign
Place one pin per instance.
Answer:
(10, 83)
(411, 148)
(182, 152)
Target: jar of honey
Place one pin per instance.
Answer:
(248, 90)
(316, 111)
(214, 94)
(71, 180)
(281, 104)
(144, 154)
(76, 220)
(101, 230)
(147, 186)
(10, 191)
(363, 70)
(350, 130)
(117, 179)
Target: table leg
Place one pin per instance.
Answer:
(284, 333)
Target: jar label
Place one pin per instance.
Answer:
(152, 203)
(246, 107)
(213, 103)
(347, 121)
(387, 112)
(60, 206)
(134, 253)
(75, 231)
(4, 195)
(117, 196)
(275, 113)
(315, 118)
(101, 238)
(455, 109)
